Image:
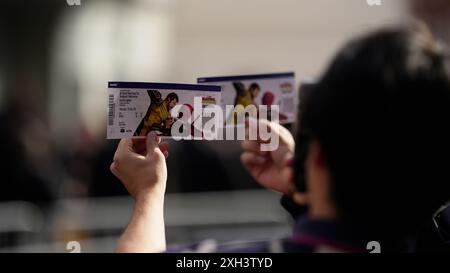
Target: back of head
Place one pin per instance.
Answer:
(380, 114)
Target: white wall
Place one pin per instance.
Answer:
(217, 37)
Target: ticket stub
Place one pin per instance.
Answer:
(264, 89)
(136, 109)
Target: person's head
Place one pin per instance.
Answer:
(379, 152)
(254, 90)
(172, 100)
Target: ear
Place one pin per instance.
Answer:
(319, 184)
(314, 163)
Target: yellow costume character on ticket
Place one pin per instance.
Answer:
(158, 117)
(244, 97)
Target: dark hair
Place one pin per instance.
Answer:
(380, 114)
(254, 86)
(155, 96)
(172, 96)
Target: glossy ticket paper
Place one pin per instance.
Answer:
(136, 109)
(259, 90)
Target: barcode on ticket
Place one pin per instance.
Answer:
(111, 110)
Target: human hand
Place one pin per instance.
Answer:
(140, 164)
(271, 169)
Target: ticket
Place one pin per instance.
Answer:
(135, 109)
(259, 90)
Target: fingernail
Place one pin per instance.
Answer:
(154, 135)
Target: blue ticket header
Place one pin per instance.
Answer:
(167, 86)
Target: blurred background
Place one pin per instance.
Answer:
(55, 62)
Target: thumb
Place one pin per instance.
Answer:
(256, 124)
(152, 142)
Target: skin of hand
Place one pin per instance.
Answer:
(141, 166)
(271, 169)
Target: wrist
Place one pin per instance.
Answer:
(150, 196)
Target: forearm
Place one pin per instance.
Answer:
(145, 233)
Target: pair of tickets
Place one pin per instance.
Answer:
(192, 111)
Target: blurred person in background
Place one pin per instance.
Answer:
(29, 164)
(35, 167)
(376, 163)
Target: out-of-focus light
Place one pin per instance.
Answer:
(107, 41)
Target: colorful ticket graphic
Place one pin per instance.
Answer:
(136, 109)
(259, 90)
